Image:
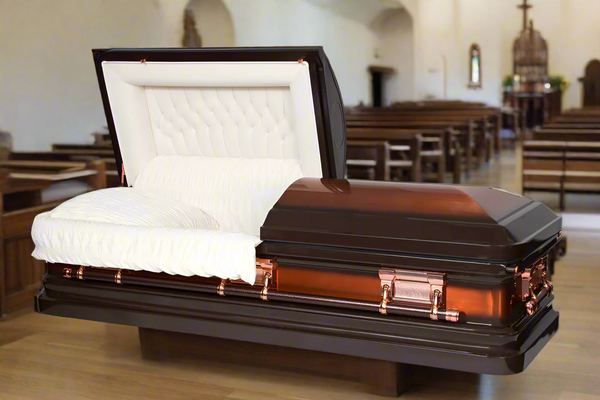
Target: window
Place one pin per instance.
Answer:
(475, 67)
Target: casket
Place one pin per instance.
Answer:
(235, 221)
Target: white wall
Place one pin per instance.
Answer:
(446, 28)
(213, 22)
(348, 44)
(394, 30)
(48, 88)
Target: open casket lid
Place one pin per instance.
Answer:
(431, 220)
(163, 102)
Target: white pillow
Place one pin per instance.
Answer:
(128, 206)
(237, 192)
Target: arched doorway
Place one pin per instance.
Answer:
(395, 49)
(213, 22)
(591, 84)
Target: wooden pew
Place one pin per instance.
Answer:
(80, 155)
(572, 125)
(432, 153)
(490, 118)
(572, 135)
(477, 128)
(24, 186)
(458, 137)
(372, 159)
(561, 166)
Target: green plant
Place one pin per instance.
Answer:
(558, 82)
(507, 82)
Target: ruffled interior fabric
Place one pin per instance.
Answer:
(184, 215)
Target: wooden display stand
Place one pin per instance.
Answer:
(383, 378)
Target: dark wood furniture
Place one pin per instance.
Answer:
(383, 378)
(380, 160)
(591, 84)
(22, 186)
(429, 149)
(564, 155)
(562, 167)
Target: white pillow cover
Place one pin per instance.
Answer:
(131, 207)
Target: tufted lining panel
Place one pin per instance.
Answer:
(238, 110)
(223, 122)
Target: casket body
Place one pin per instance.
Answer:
(446, 276)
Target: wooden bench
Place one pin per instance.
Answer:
(561, 166)
(430, 149)
(459, 142)
(372, 159)
(28, 188)
(490, 119)
(571, 135)
(77, 155)
(470, 134)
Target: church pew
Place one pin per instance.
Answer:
(576, 119)
(481, 127)
(439, 103)
(430, 149)
(491, 117)
(573, 135)
(459, 141)
(22, 198)
(91, 149)
(106, 156)
(571, 125)
(561, 166)
(372, 159)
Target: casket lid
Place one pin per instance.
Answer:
(313, 106)
(452, 221)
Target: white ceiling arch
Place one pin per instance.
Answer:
(363, 11)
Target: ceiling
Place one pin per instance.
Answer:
(363, 11)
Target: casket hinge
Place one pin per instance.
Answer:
(421, 292)
(221, 287)
(265, 290)
(118, 277)
(264, 267)
(531, 282)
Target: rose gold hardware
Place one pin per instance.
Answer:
(265, 290)
(437, 295)
(80, 273)
(423, 290)
(385, 298)
(122, 174)
(67, 273)
(532, 305)
(118, 278)
(452, 315)
(264, 266)
(530, 284)
(221, 287)
(547, 284)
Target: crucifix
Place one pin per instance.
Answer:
(524, 7)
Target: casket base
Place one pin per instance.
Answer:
(383, 378)
(446, 345)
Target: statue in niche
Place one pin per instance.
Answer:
(191, 38)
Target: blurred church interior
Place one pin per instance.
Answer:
(501, 93)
